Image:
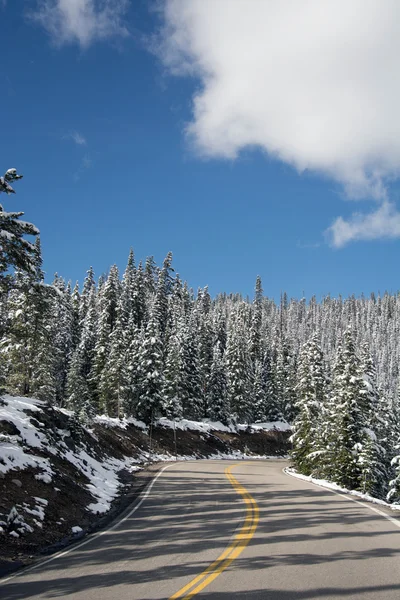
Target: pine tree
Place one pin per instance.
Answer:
(310, 398)
(348, 416)
(113, 376)
(205, 342)
(62, 323)
(80, 391)
(151, 377)
(15, 251)
(238, 371)
(130, 392)
(108, 300)
(163, 291)
(29, 344)
(256, 342)
(217, 401)
(374, 473)
(191, 383)
(173, 372)
(139, 297)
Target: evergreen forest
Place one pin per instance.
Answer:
(142, 344)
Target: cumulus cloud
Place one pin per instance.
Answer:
(76, 137)
(81, 21)
(382, 223)
(314, 83)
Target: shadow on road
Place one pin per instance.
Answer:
(188, 513)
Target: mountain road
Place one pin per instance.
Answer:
(217, 530)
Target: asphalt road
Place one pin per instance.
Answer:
(253, 533)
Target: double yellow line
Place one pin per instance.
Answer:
(237, 546)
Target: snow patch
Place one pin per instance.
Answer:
(121, 423)
(76, 529)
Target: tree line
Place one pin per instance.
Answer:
(145, 345)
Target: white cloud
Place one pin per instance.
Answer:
(81, 21)
(76, 137)
(383, 223)
(314, 83)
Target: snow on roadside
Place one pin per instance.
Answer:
(337, 488)
(30, 434)
(121, 423)
(12, 453)
(209, 426)
(103, 476)
(275, 425)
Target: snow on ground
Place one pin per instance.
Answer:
(122, 423)
(15, 454)
(209, 426)
(30, 434)
(76, 529)
(276, 425)
(12, 447)
(103, 476)
(334, 486)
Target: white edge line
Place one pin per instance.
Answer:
(348, 497)
(91, 537)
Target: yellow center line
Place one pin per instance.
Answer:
(239, 543)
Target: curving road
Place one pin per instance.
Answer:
(215, 531)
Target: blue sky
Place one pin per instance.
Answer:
(98, 121)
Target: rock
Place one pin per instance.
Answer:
(16, 482)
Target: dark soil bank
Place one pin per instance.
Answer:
(68, 497)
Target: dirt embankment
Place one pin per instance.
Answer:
(42, 511)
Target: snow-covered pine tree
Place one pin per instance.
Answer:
(163, 291)
(310, 399)
(15, 251)
(79, 389)
(373, 461)
(130, 391)
(107, 301)
(191, 384)
(205, 344)
(127, 290)
(394, 484)
(150, 374)
(238, 370)
(28, 343)
(62, 323)
(217, 398)
(113, 376)
(255, 333)
(348, 419)
(173, 373)
(88, 285)
(139, 297)
(75, 319)
(272, 408)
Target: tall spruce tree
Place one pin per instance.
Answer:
(310, 398)
(150, 373)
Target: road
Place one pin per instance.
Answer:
(219, 530)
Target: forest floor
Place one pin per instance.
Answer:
(60, 480)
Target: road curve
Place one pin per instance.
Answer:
(288, 540)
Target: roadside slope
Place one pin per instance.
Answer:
(308, 543)
(59, 479)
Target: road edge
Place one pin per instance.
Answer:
(347, 496)
(91, 535)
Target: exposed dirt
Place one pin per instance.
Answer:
(67, 495)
